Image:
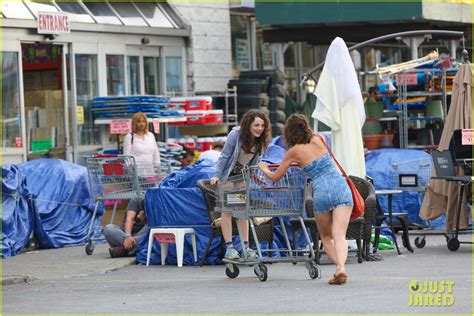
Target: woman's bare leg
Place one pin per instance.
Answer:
(324, 223)
(226, 226)
(340, 221)
(244, 229)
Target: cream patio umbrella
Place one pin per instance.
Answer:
(441, 196)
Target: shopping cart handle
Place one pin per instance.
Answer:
(278, 165)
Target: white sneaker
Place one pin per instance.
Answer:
(231, 254)
(251, 254)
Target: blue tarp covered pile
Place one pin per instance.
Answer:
(384, 166)
(49, 197)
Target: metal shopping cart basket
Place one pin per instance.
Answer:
(116, 178)
(412, 175)
(252, 195)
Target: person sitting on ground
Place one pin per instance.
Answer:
(187, 158)
(213, 154)
(123, 240)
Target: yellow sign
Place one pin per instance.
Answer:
(431, 293)
(80, 114)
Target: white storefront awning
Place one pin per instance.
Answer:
(141, 14)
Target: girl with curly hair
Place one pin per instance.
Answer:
(244, 146)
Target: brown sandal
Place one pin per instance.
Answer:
(338, 279)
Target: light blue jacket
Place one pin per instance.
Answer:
(230, 154)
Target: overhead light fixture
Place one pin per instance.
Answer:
(49, 37)
(145, 40)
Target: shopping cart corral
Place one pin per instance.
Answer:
(115, 178)
(252, 195)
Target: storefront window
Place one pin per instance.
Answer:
(133, 75)
(11, 120)
(173, 74)
(152, 75)
(86, 82)
(264, 53)
(115, 75)
(239, 26)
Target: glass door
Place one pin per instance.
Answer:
(13, 135)
(45, 91)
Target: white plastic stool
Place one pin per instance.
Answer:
(178, 240)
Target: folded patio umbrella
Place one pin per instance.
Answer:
(441, 196)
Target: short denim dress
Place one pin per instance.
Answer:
(330, 189)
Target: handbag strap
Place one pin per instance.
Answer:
(344, 174)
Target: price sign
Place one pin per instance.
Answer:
(407, 79)
(156, 126)
(122, 126)
(466, 137)
(80, 114)
(18, 142)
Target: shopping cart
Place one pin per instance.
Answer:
(253, 195)
(412, 175)
(115, 178)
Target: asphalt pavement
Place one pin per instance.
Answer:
(66, 281)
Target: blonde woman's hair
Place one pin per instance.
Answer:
(136, 117)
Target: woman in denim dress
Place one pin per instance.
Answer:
(332, 198)
(244, 146)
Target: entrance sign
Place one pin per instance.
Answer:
(53, 23)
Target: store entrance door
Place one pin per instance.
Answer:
(45, 90)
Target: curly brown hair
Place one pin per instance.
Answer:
(297, 130)
(137, 116)
(246, 138)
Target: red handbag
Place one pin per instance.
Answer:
(359, 203)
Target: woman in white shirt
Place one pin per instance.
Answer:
(141, 143)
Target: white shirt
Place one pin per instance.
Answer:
(145, 150)
(212, 155)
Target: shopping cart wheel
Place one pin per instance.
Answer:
(232, 271)
(314, 270)
(420, 242)
(453, 244)
(90, 247)
(261, 272)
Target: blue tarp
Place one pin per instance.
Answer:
(18, 211)
(380, 167)
(55, 193)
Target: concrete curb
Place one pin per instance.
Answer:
(18, 279)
